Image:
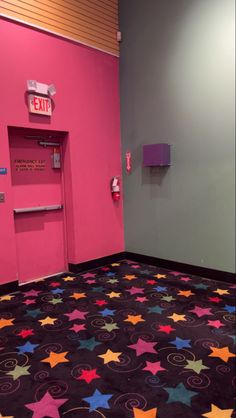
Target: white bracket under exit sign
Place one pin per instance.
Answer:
(40, 105)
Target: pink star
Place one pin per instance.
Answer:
(91, 281)
(166, 328)
(154, 368)
(87, 275)
(215, 324)
(135, 266)
(29, 301)
(31, 293)
(185, 279)
(175, 273)
(216, 299)
(55, 284)
(133, 290)
(47, 406)
(76, 315)
(77, 327)
(201, 311)
(233, 286)
(143, 347)
(141, 299)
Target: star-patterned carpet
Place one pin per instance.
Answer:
(123, 341)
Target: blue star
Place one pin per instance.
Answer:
(160, 288)
(89, 344)
(33, 312)
(180, 394)
(155, 309)
(200, 286)
(107, 312)
(98, 400)
(27, 347)
(110, 274)
(229, 308)
(179, 343)
(97, 289)
(57, 291)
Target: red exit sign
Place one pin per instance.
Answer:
(40, 105)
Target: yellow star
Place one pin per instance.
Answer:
(6, 297)
(134, 319)
(113, 295)
(223, 353)
(47, 321)
(185, 293)
(160, 276)
(55, 358)
(177, 317)
(221, 291)
(130, 277)
(218, 413)
(115, 264)
(68, 279)
(110, 356)
(139, 413)
(78, 296)
(6, 322)
(4, 416)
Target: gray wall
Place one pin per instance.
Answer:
(177, 86)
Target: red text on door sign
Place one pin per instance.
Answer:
(40, 105)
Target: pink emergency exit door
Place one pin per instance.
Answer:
(38, 207)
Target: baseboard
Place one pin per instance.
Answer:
(10, 287)
(99, 262)
(209, 273)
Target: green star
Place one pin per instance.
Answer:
(112, 281)
(234, 338)
(167, 298)
(155, 309)
(110, 327)
(18, 372)
(89, 344)
(55, 301)
(197, 366)
(180, 394)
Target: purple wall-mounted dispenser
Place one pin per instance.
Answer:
(156, 155)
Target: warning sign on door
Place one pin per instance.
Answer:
(30, 165)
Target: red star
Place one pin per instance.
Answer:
(105, 268)
(55, 284)
(25, 333)
(88, 375)
(100, 302)
(29, 301)
(151, 282)
(216, 299)
(166, 328)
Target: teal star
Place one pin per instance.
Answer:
(97, 289)
(110, 327)
(167, 298)
(155, 309)
(200, 286)
(234, 338)
(180, 394)
(55, 301)
(18, 372)
(33, 312)
(197, 366)
(89, 344)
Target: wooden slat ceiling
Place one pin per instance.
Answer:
(90, 22)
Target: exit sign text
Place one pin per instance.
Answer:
(40, 105)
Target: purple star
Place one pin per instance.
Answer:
(31, 293)
(133, 290)
(76, 315)
(143, 347)
(87, 275)
(201, 311)
(47, 406)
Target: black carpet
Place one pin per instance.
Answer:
(126, 340)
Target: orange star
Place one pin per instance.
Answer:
(110, 356)
(68, 279)
(113, 295)
(55, 358)
(218, 413)
(6, 322)
(134, 319)
(223, 353)
(130, 277)
(78, 296)
(177, 317)
(160, 276)
(6, 297)
(4, 416)
(221, 291)
(47, 321)
(139, 413)
(186, 293)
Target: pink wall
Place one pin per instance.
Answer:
(87, 106)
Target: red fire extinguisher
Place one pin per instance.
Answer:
(115, 188)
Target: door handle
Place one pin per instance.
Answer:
(38, 209)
